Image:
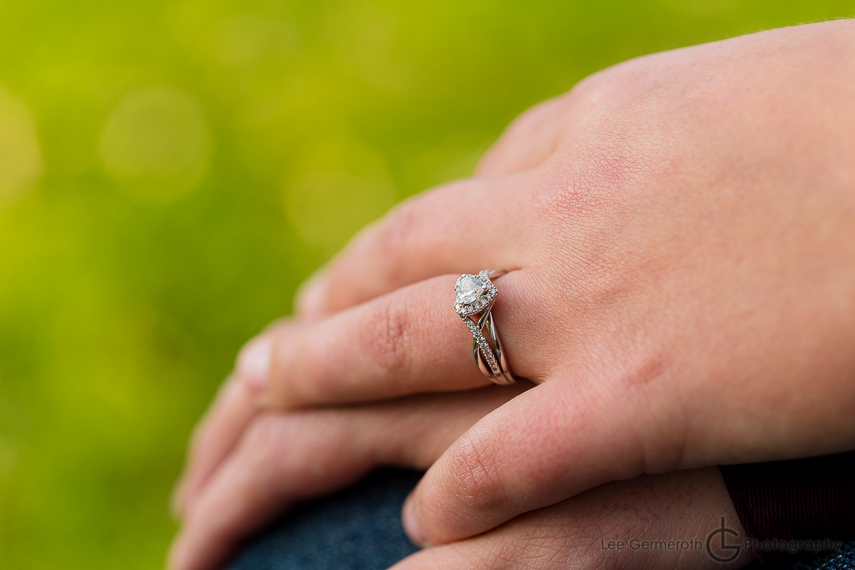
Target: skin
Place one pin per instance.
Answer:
(679, 231)
(280, 459)
(283, 458)
(575, 533)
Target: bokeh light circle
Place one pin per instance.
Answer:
(21, 161)
(157, 142)
(339, 185)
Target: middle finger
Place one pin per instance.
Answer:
(284, 458)
(445, 230)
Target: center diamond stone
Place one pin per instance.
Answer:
(471, 289)
(475, 293)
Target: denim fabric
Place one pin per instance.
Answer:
(842, 560)
(356, 529)
(360, 529)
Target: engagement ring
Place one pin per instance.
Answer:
(475, 297)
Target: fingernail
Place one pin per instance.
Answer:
(412, 526)
(254, 364)
(311, 297)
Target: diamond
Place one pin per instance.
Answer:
(471, 289)
(474, 294)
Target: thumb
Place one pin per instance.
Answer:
(544, 446)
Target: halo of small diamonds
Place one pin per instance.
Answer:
(474, 294)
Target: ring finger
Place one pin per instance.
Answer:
(406, 342)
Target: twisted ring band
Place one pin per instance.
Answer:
(475, 295)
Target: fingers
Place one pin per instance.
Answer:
(284, 458)
(462, 227)
(624, 525)
(213, 440)
(527, 142)
(549, 444)
(444, 230)
(406, 342)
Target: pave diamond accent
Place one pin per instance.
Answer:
(482, 344)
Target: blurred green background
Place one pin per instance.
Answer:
(170, 171)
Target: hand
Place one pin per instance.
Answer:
(680, 230)
(234, 485)
(685, 507)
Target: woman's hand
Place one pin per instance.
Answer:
(246, 468)
(625, 525)
(680, 231)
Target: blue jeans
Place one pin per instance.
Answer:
(360, 529)
(356, 529)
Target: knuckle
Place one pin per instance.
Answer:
(295, 371)
(601, 89)
(535, 117)
(473, 473)
(644, 381)
(300, 446)
(530, 128)
(312, 376)
(619, 85)
(623, 152)
(580, 194)
(649, 369)
(396, 233)
(387, 336)
(302, 372)
(264, 438)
